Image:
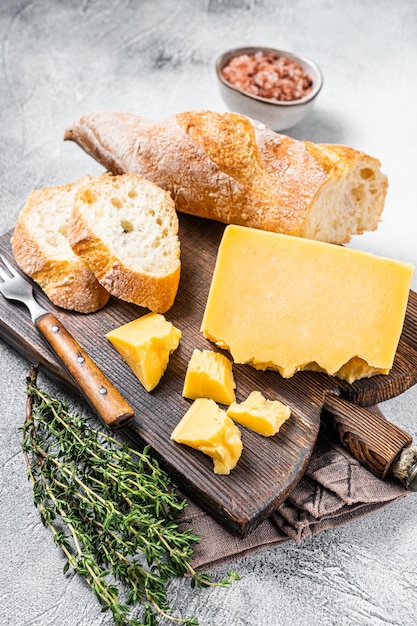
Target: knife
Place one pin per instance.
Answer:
(95, 386)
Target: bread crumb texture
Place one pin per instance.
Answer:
(126, 229)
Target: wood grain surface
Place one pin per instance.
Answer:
(269, 467)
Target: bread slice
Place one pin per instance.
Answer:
(41, 249)
(230, 168)
(126, 229)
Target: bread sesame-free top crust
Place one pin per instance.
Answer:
(237, 171)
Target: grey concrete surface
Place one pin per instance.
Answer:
(154, 58)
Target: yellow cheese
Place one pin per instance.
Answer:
(146, 344)
(259, 414)
(209, 375)
(207, 428)
(288, 303)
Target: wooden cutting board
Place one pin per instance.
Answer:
(269, 468)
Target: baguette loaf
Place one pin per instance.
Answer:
(232, 169)
(126, 229)
(40, 246)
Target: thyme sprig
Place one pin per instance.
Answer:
(111, 509)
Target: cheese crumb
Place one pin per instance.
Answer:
(146, 345)
(263, 416)
(209, 375)
(207, 428)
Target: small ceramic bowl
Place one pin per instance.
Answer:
(277, 114)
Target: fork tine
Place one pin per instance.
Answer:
(9, 267)
(3, 275)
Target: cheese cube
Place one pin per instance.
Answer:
(289, 303)
(259, 414)
(146, 345)
(207, 428)
(209, 375)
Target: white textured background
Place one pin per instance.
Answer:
(154, 58)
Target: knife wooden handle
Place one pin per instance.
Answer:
(98, 390)
(370, 438)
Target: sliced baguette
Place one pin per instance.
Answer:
(126, 229)
(237, 171)
(41, 249)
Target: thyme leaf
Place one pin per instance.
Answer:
(112, 511)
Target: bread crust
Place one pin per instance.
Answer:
(235, 170)
(155, 291)
(66, 279)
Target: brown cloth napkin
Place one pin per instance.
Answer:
(334, 490)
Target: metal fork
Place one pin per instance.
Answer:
(96, 387)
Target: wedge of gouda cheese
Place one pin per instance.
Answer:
(146, 344)
(263, 416)
(288, 303)
(209, 375)
(207, 428)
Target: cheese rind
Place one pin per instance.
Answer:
(146, 345)
(287, 303)
(209, 375)
(263, 416)
(207, 428)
